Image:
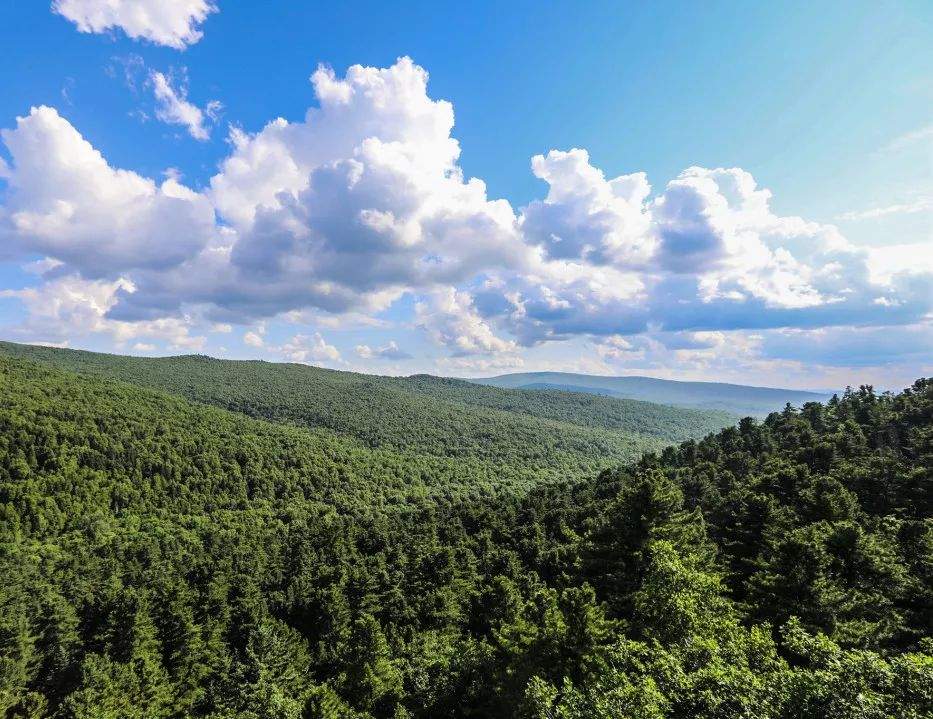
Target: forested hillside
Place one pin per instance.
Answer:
(167, 559)
(428, 415)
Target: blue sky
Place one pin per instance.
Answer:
(829, 106)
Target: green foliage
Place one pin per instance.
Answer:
(557, 432)
(164, 558)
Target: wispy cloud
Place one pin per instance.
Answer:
(909, 138)
(907, 208)
(174, 108)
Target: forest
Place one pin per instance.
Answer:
(554, 433)
(194, 538)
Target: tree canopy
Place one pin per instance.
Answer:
(166, 558)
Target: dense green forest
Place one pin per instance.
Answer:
(165, 558)
(555, 431)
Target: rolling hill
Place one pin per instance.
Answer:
(557, 431)
(734, 398)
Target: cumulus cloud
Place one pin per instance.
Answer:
(69, 308)
(619, 349)
(253, 339)
(585, 216)
(174, 108)
(389, 105)
(453, 322)
(713, 257)
(686, 350)
(309, 348)
(901, 264)
(302, 348)
(173, 23)
(66, 202)
(389, 351)
(338, 216)
(346, 211)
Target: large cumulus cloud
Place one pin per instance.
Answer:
(346, 210)
(66, 202)
(586, 217)
(363, 202)
(707, 253)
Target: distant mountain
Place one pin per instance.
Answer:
(733, 398)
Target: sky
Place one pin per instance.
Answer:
(718, 191)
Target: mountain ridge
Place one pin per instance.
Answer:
(736, 398)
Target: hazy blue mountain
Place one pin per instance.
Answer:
(734, 398)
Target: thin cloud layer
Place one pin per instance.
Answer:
(172, 23)
(363, 203)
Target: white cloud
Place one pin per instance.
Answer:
(585, 216)
(390, 351)
(174, 108)
(335, 321)
(716, 225)
(300, 348)
(69, 308)
(854, 347)
(389, 105)
(616, 348)
(173, 23)
(922, 204)
(823, 358)
(66, 203)
(253, 339)
(452, 321)
(309, 348)
(348, 210)
(476, 366)
(921, 134)
(903, 261)
(717, 258)
(333, 219)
